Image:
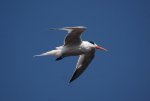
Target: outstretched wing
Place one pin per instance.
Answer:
(74, 35)
(83, 62)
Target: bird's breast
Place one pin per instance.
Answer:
(74, 51)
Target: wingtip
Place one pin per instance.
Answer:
(69, 83)
(55, 28)
(52, 28)
(82, 27)
(71, 80)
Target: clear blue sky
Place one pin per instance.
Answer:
(121, 74)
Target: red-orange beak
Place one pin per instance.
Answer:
(100, 48)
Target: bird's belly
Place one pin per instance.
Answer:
(73, 52)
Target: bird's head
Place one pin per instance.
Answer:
(97, 46)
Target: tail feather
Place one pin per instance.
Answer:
(43, 54)
(53, 52)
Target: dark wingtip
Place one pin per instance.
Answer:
(70, 81)
(76, 74)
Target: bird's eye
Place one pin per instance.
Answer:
(91, 42)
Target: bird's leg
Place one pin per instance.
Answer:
(59, 58)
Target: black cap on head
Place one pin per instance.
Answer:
(91, 42)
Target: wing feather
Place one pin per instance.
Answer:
(74, 35)
(82, 64)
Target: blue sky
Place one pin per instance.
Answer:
(121, 74)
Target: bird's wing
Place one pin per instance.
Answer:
(73, 36)
(83, 62)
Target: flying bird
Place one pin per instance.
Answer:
(74, 46)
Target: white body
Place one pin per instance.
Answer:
(65, 51)
(74, 50)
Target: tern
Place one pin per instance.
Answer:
(74, 46)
